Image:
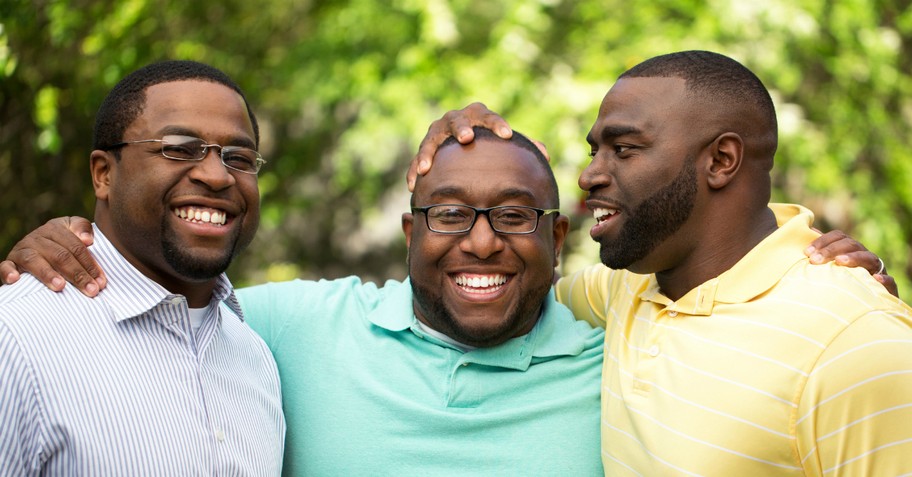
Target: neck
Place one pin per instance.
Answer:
(717, 253)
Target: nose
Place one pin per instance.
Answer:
(594, 175)
(482, 241)
(211, 172)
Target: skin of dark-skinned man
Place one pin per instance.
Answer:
(442, 322)
(727, 351)
(130, 384)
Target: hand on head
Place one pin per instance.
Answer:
(458, 123)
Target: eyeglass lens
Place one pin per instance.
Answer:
(188, 148)
(458, 218)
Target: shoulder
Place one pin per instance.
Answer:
(28, 303)
(273, 307)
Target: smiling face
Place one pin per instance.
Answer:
(179, 222)
(482, 288)
(643, 179)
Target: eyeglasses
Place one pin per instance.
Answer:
(505, 219)
(189, 148)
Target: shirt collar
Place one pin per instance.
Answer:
(755, 273)
(554, 335)
(129, 293)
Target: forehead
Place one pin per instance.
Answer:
(485, 173)
(205, 108)
(645, 104)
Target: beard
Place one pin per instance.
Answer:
(192, 266)
(442, 319)
(653, 220)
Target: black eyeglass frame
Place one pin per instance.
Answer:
(205, 150)
(486, 212)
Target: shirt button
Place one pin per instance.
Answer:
(465, 364)
(176, 300)
(653, 351)
(672, 313)
(219, 435)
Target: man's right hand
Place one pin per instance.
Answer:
(456, 123)
(64, 242)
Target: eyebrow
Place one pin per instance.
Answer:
(611, 132)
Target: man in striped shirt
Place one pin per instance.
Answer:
(160, 375)
(727, 352)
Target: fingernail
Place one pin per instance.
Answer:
(808, 251)
(57, 283)
(816, 258)
(92, 289)
(503, 131)
(85, 236)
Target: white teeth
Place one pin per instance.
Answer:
(191, 214)
(601, 213)
(481, 282)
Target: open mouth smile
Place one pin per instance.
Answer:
(201, 215)
(480, 284)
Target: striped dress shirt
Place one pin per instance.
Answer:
(777, 367)
(119, 385)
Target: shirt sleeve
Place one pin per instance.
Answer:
(21, 417)
(854, 417)
(586, 293)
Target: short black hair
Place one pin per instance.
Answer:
(128, 98)
(714, 77)
(523, 142)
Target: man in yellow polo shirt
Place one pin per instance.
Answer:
(727, 352)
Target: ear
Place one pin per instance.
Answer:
(101, 167)
(727, 154)
(561, 228)
(407, 221)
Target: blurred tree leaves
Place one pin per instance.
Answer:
(345, 90)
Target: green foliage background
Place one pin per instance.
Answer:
(346, 89)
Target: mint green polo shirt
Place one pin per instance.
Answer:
(366, 392)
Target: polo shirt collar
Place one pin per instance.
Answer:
(554, 335)
(755, 273)
(130, 294)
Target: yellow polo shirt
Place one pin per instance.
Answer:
(776, 367)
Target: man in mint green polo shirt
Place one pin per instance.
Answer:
(468, 368)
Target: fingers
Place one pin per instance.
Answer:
(54, 255)
(836, 243)
(456, 123)
(541, 147)
(9, 273)
(889, 283)
(82, 227)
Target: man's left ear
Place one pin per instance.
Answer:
(561, 228)
(727, 154)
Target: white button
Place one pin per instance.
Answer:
(653, 350)
(176, 300)
(219, 435)
(672, 313)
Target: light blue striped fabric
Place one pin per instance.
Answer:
(119, 386)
